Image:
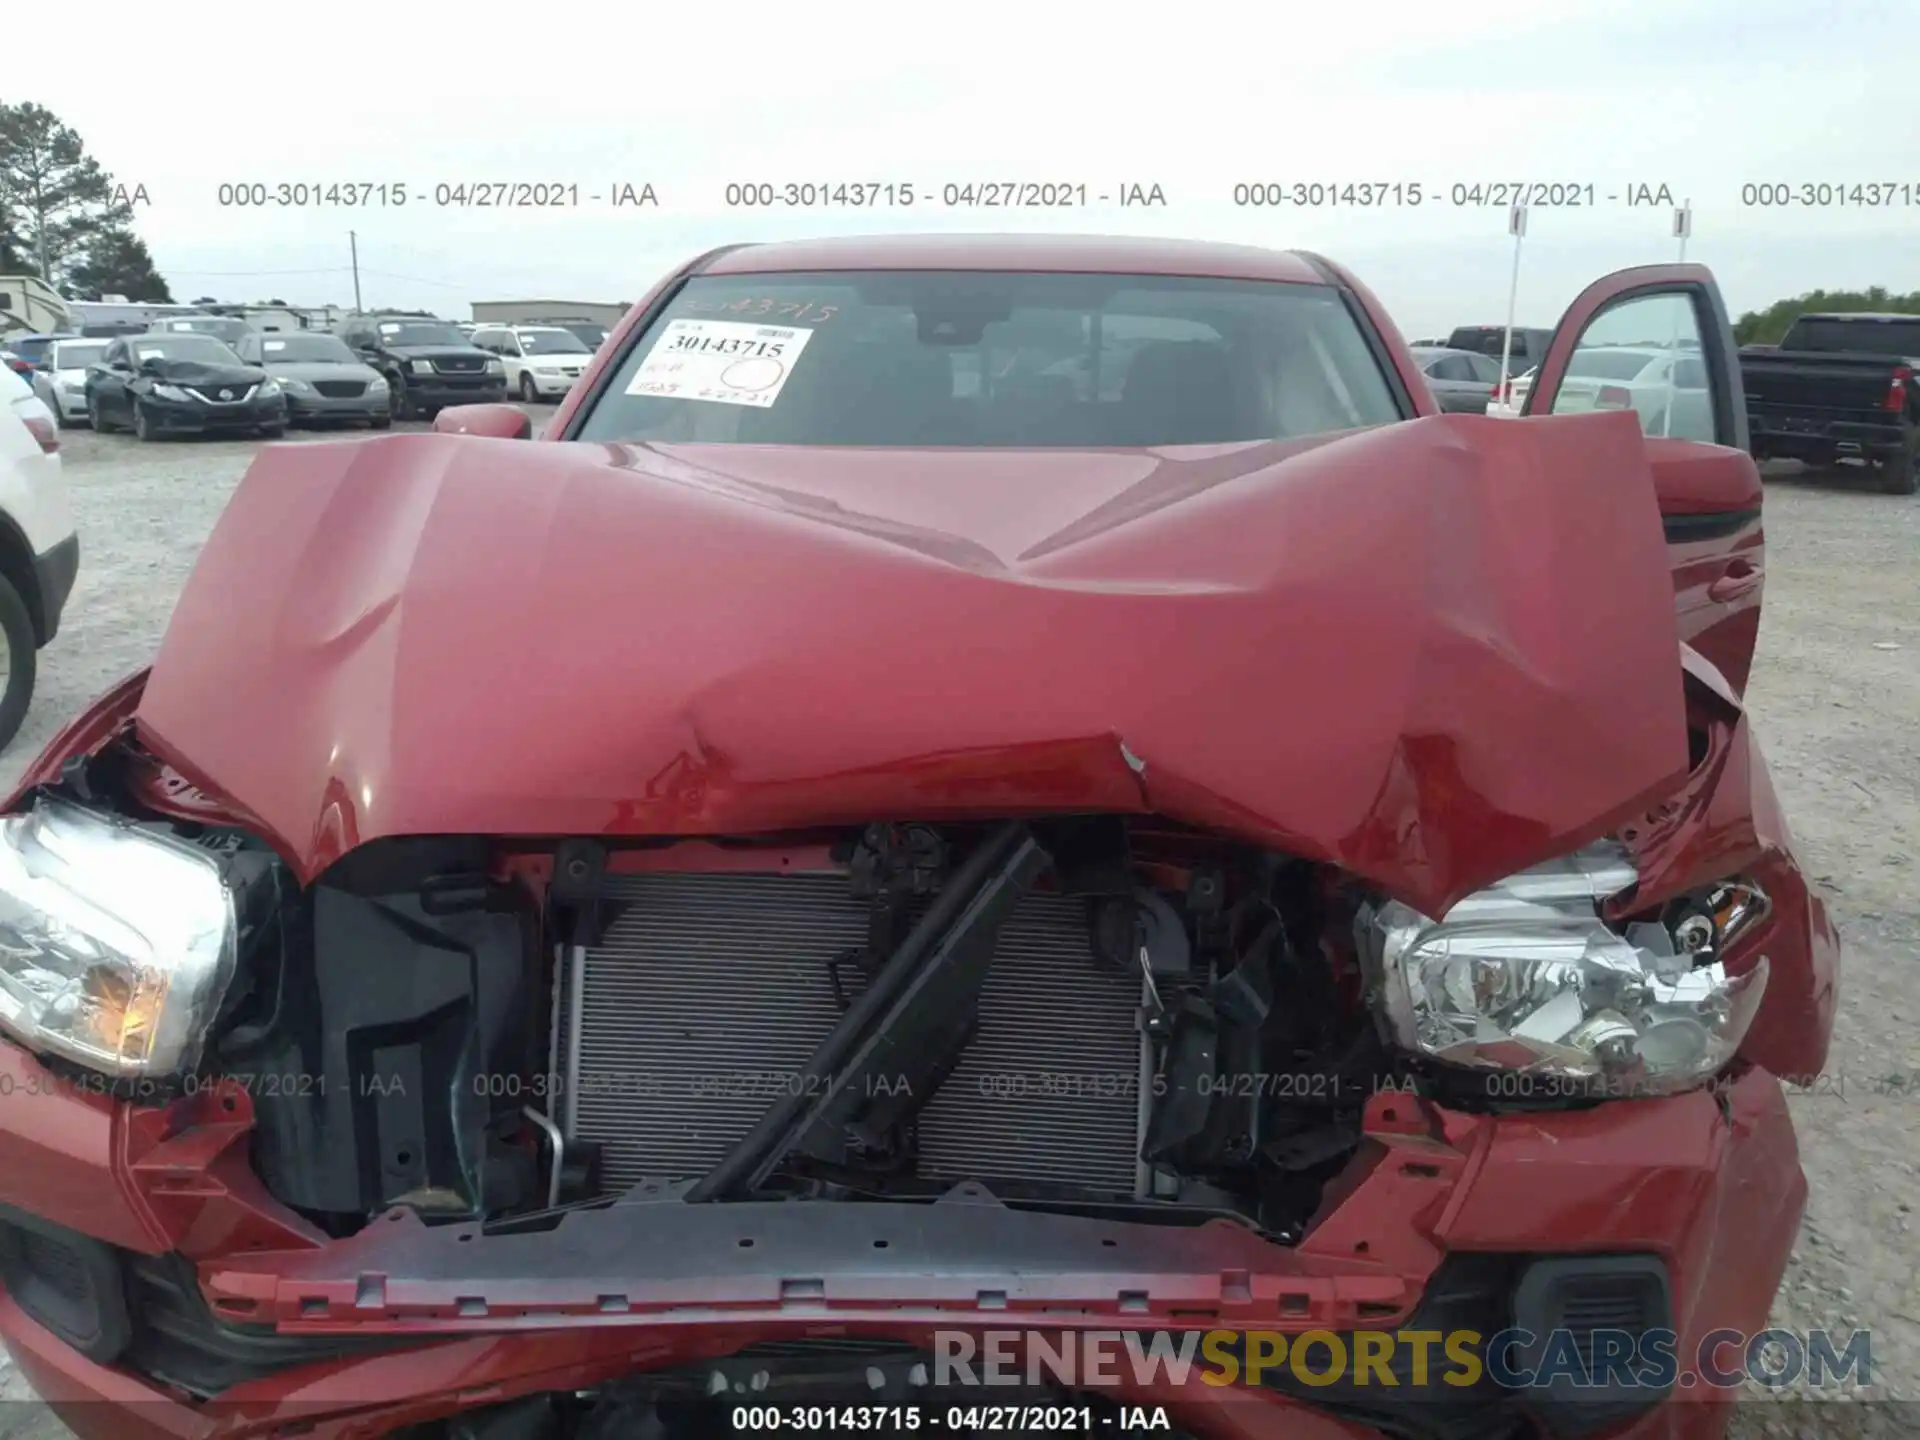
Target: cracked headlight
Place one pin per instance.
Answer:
(1527, 976)
(116, 945)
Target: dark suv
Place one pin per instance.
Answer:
(427, 363)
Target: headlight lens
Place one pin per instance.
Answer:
(289, 383)
(116, 945)
(171, 392)
(420, 367)
(269, 389)
(377, 385)
(496, 367)
(1526, 976)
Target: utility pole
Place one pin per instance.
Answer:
(353, 245)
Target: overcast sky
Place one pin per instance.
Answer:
(1701, 96)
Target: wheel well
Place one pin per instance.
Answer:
(16, 565)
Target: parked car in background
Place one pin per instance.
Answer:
(1528, 347)
(323, 379)
(60, 379)
(1508, 402)
(1840, 387)
(1248, 709)
(1666, 388)
(426, 363)
(1463, 381)
(542, 361)
(224, 328)
(39, 551)
(591, 332)
(32, 348)
(161, 384)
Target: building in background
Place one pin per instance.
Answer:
(529, 312)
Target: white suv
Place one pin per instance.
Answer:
(39, 551)
(543, 361)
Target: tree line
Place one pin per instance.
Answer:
(1765, 327)
(63, 218)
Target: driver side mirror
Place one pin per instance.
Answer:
(497, 422)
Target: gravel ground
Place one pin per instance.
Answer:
(1836, 696)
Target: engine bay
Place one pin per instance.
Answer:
(1094, 1015)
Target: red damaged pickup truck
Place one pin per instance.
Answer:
(967, 784)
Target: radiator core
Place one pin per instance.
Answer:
(709, 992)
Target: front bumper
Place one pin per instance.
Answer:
(1708, 1183)
(554, 385)
(455, 390)
(330, 407)
(173, 417)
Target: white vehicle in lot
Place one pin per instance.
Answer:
(39, 551)
(1666, 387)
(60, 379)
(543, 361)
(1507, 404)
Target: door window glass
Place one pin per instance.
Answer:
(1625, 360)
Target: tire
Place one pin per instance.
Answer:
(20, 665)
(272, 432)
(96, 422)
(1899, 474)
(142, 427)
(529, 392)
(402, 405)
(382, 422)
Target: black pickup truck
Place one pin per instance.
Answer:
(1839, 387)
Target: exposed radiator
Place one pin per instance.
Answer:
(709, 992)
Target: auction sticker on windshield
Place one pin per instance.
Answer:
(724, 361)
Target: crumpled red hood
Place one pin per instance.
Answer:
(1430, 653)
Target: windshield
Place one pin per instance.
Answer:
(72, 355)
(202, 349)
(307, 349)
(420, 332)
(977, 358)
(551, 342)
(1608, 364)
(31, 347)
(591, 335)
(1871, 337)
